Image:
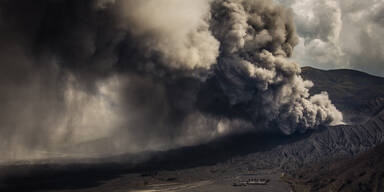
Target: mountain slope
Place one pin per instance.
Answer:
(364, 172)
(358, 95)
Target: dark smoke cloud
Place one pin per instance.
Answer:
(125, 76)
(257, 37)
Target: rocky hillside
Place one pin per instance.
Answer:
(364, 172)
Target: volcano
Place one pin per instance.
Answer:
(321, 159)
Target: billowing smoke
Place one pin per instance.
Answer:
(110, 76)
(256, 39)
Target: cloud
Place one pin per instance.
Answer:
(339, 34)
(178, 30)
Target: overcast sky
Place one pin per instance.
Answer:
(340, 34)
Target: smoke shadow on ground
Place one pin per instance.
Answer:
(70, 176)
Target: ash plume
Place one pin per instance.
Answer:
(256, 39)
(111, 76)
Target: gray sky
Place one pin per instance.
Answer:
(340, 34)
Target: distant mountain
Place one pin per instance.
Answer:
(357, 94)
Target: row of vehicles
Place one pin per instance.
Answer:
(251, 181)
